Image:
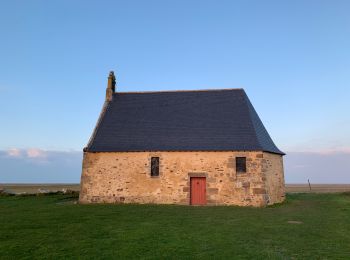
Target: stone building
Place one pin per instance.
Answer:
(200, 147)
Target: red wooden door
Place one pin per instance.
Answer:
(198, 194)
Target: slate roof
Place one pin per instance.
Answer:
(207, 120)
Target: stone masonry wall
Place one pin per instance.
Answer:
(274, 178)
(124, 177)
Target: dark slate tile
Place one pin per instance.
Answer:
(213, 120)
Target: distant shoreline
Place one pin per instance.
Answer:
(290, 187)
(36, 184)
(77, 183)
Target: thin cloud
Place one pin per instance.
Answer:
(345, 150)
(36, 165)
(14, 152)
(36, 153)
(332, 166)
(329, 151)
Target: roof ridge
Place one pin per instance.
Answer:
(179, 90)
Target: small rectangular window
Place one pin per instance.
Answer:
(241, 164)
(155, 166)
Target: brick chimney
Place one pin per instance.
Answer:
(110, 86)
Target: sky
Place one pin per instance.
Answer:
(291, 57)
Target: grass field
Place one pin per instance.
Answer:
(306, 226)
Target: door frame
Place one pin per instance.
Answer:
(188, 188)
(205, 190)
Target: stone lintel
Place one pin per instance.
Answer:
(197, 174)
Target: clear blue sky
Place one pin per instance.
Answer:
(291, 57)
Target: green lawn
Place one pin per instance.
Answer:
(53, 227)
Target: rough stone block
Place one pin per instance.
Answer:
(259, 191)
(213, 190)
(246, 184)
